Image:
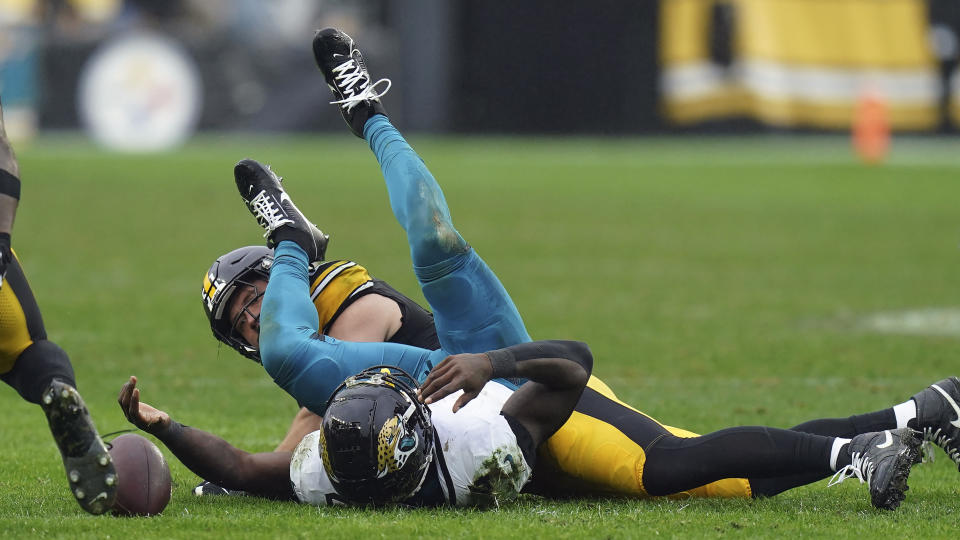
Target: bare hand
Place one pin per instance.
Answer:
(139, 414)
(467, 372)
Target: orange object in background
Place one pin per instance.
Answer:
(871, 128)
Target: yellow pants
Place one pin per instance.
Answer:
(20, 321)
(598, 451)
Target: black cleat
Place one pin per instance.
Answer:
(90, 470)
(209, 489)
(346, 74)
(275, 212)
(882, 460)
(938, 416)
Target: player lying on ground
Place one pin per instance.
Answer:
(607, 442)
(351, 306)
(472, 448)
(244, 273)
(38, 369)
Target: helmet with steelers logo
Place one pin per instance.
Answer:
(227, 275)
(377, 439)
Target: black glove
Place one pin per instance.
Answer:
(6, 255)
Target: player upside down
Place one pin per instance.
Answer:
(647, 457)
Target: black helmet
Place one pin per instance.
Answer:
(228, 274)
(377, 438)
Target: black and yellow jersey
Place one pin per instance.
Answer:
(334, 285)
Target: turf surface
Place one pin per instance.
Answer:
(719, 282)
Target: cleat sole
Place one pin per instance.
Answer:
(86, 460)
(891, 497)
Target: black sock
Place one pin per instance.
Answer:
(676, 464)
(299, 237)
(846, 428)
(851, 426)
(9, 184)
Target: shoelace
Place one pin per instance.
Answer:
(352, 74)
(267, 213)
(860, 466)
(939, 438)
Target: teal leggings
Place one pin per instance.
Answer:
(472, 310)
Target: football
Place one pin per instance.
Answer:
(143, 477)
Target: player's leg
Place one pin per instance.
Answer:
(606, 448)
(849, 427)
(882, 460)
(28, 362)
(931, 411)
(611, 447)
(934, 411)
(41, 373)
(38, 369)
(472, 309)
(600, 450)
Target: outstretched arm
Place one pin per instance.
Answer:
(557, 372)
(208, 456)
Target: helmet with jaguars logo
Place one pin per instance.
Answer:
(377, 438)
(228, 274)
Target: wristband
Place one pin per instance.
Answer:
(170, 435)
(9, 184)
(503, 363)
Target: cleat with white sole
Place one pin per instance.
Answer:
(883, 461)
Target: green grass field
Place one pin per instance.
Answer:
(719, 282)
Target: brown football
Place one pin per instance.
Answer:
(143, 477)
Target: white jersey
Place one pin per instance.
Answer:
(477, 459)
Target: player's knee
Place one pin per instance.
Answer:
(426, 214)
(436, 245)
(36, 366)
(579, 352)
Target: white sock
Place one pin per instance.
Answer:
(905, 412)
(838, 443)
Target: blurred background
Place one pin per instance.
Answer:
(145, 74)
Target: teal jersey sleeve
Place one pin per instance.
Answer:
(312, 372)
(307, 364)
(304, 362)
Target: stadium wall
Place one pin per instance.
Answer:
(535, 66)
